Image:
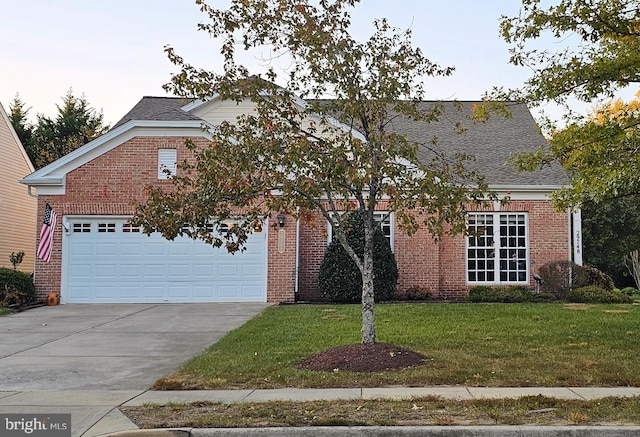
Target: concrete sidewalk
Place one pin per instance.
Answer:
(95, 412)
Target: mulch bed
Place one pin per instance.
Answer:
(377, 357)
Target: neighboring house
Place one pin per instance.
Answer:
(17, 207)
(99, 257)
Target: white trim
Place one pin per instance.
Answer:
(53, 175)
(198, 103)
(576, 239)
(497, 247)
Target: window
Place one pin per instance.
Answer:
(82, 227)
(167, 159)
(128, 228)
(497, 248)
(382, 218)
(106, 227)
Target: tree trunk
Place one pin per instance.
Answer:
(368, 322)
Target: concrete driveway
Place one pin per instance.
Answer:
(88, 359)
(108, 346)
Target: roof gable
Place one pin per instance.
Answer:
(492, 143)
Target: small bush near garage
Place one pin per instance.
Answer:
(16, 288)
(596, 294)
(507, 294)
(340, 279)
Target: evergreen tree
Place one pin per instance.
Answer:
(18, 114)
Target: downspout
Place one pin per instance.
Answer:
(297, 267)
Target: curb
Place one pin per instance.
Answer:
(168, 432)
(389, 431)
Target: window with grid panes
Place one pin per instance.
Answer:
(383, 219)
(497, 248)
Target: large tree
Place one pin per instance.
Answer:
(596, 53)
(298, 154)
(76, 124)
(18, 114)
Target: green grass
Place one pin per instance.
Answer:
(468, 344)
(529, 410)
(4, 310)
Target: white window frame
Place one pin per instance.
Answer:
(167, 159)
(495, 257)
(377, 216)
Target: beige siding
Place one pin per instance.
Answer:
(226, 110)
(18, 209)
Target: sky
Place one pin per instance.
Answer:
(112, 51)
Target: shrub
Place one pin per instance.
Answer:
(506, 294)
(594, 276)
(558, 277)
(630, 291)
(340, 279)
(16, 288)
(596, 294)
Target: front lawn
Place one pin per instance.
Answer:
(468, 344)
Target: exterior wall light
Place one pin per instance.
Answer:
(280, 218)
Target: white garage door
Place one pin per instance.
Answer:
(106, 260)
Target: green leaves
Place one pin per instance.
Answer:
(599, 53)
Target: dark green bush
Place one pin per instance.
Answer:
(16, 288)
(506, 294)
(630, 291)
(596, 294)
(340, 279)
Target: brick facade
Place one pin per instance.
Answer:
(440, 266)
(110, 183)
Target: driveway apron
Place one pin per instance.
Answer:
(88, 359)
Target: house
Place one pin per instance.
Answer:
(100, 257)
(17, 231)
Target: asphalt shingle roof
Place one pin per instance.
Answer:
(158, 108)
(492, 143)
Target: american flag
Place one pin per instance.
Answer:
(46, 234)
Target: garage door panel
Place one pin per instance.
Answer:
(106, 249)
(203, 292)
(154, 248)
(226, 270)
(204, 271)
(252, 270)
(133, 249)
(251, 292)
(178, 291)
(182, 271)
(121, 266)
(129, 270)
